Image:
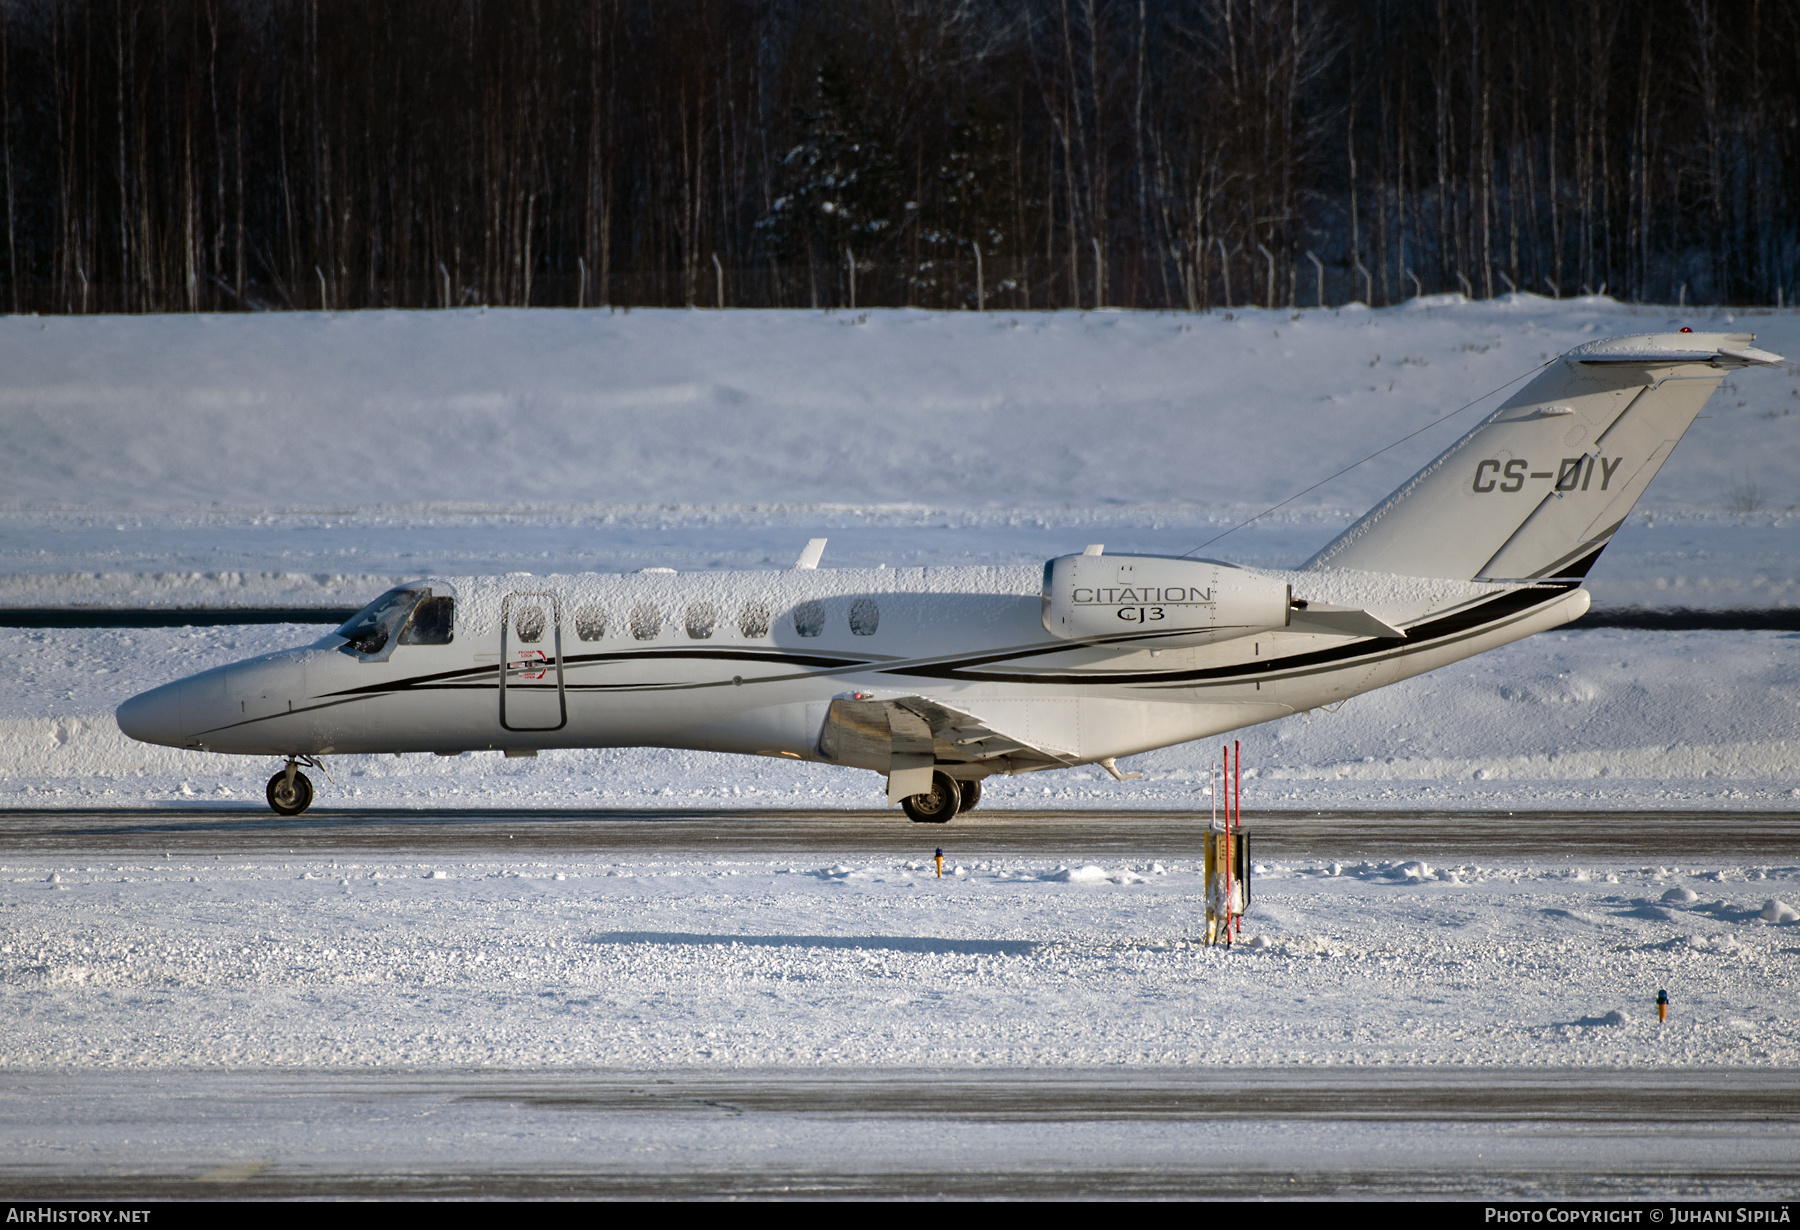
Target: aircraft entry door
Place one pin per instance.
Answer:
(531, 673)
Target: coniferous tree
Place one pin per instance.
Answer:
(224, 155)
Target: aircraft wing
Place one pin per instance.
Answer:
(908, 737)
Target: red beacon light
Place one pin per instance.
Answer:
(1685, 329)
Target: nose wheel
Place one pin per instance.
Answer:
(290, 791)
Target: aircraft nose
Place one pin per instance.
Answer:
(154, 716)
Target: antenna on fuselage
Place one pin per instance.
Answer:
(809, 558)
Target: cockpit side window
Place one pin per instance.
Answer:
(433, 622)
(372, 629)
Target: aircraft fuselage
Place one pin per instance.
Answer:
(750, 662)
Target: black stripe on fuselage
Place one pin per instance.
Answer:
(1420, 636)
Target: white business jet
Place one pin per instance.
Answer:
(939, 677)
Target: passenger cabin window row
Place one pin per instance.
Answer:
(700, 620)
(418, 617)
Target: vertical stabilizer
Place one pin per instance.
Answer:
(1541, 485)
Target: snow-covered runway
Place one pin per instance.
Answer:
(518, 1022)
(242, 829)
(1589, 1133)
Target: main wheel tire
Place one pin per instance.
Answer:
(938, 805)
(971, 795)
(290, 799)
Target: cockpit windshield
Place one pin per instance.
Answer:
(407, 616)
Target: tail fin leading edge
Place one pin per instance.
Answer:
(1541, 485)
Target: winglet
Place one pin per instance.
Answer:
(809, 558)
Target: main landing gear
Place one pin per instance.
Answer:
(943, 801)
(291, 791)
(971, 795)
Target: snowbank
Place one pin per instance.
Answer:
(493, 408)
(302, 458)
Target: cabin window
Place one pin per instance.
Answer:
(433, 622)
(646, 622)
(590, 622)
(865, 617)
(753, 620)
(529, 623)
(809, 618)
(700, 620)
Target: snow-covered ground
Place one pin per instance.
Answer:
(302, 457)
(306, 460)
(489, 410)
(491, 961)
(310, 459)
(1689, 558)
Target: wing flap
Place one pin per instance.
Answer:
(909, 737)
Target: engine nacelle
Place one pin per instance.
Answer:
(1170, 603)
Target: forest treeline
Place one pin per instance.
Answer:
(214, 155)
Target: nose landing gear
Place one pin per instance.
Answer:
(291, 791)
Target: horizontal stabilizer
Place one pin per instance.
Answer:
(1674, 348)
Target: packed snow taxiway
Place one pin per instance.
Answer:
(1146, 1133)
(731, 1003)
